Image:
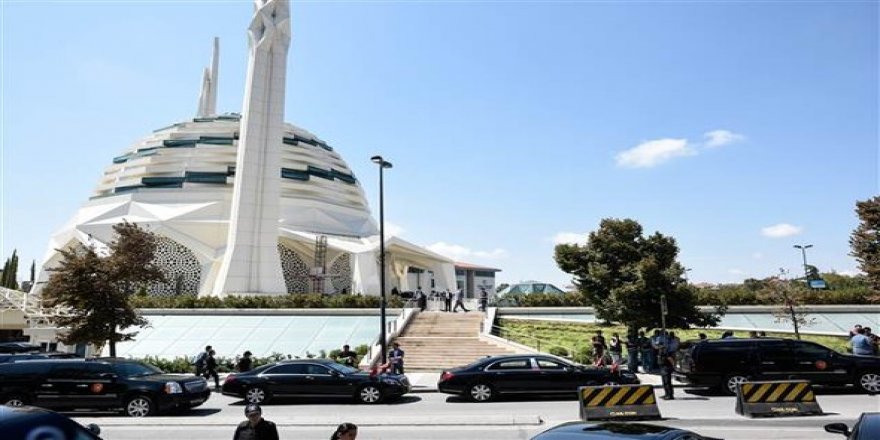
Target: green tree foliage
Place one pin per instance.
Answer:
(9, 278)
(623, 274)
(865, 241)
(842, 289)
(292, 301)
(96, 290)
(789, 296)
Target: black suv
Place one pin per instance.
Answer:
(724, 363)
(136, 388)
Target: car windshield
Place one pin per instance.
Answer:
(130, 369)
(344, 369)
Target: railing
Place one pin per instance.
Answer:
(392, 329)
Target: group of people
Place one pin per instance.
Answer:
(653, 354)
(205, 364)
(863, 341)
(258, 428)
(421, 299)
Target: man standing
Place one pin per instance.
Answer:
(347, 357)
(861, 344)
(459, 301)
(599, 347)
(396, 359)
(633, 346)
(447, 300)
(484, 299)
(255, 427)
(667, 365)
(199, 363)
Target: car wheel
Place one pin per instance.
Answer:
(869, 382)
(256, 395)
(481, 392)
(370, 394)
(139, 406)
(731, 382)
(15, 400)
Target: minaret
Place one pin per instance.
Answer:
(208, 97)
(251, 263)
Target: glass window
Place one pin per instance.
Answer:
(774, 351)
(130, 369)
(547, 364)
(513, 364)
(810, 351)
(317, 369)
(288, 369)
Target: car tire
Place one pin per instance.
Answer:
(731, 381)
(139, 405)
(369, 394)
(16, 400)
(869, 382)
(257, 395)
(480, 392)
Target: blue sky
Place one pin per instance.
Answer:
(739, 128)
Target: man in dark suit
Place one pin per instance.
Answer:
(255, 427)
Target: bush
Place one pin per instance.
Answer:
(292, 301)
(558, 351)
(583, 355)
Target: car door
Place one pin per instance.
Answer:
(513, 375)
(58, 388)
(776, 360)
(286, 379)
(320, 380)
(819, 365)
(555, 377)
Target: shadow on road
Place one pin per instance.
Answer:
(195, 412)
(407, 399)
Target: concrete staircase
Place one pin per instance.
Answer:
(434, 341)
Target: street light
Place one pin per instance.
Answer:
(382, 165)
(804, 252)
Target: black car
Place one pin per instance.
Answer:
(18, 347)
(28, 422)
(313, 378)
(724, 363)
(107, 384)
(867, 428)
(489, 377)
(616, 431)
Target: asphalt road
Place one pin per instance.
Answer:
(438, 416)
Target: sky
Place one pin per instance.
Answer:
(739, 128)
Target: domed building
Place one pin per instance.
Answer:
(245, 203)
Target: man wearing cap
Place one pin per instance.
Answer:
(255, 427)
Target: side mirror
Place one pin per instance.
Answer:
(837, 428)
(93, 428)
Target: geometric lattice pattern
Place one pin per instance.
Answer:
(340, 273)
(296, 271)
(179, 265)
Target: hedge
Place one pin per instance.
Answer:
(291, 301)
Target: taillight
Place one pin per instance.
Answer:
(446, 376)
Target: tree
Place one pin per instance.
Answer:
(789, 296)
(96, 290)
(624, 275)
(9, 278)
(865, 241)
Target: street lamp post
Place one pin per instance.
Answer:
(803, 249)
(378, 160)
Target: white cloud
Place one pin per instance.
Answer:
(781, 230)
(570, 238)
(652, 153)
(850, 272)
(758, 256)
(718, 138)
(462, 253)
(393, 230)
(736, 271)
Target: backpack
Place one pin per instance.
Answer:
(199, 360)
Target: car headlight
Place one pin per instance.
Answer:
(173, 388)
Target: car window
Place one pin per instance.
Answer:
(811, 351)
(316, 369)
(775, 351)
(547, 364)
(288, 369)
(344, 369)
(513, 364)
(68, 371)
(130, 369)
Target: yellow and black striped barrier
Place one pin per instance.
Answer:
(612, 402)
(776, 399)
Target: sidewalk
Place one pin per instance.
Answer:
(426, 381)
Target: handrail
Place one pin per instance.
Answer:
(500, 332)
(392, 329)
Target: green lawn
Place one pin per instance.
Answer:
(575, 337)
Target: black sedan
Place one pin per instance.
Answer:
(616, 431)
(489, 377)
(867, 428)
(313, 378)
(28, 422)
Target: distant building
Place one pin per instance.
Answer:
(471, 278)
(527, 287)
